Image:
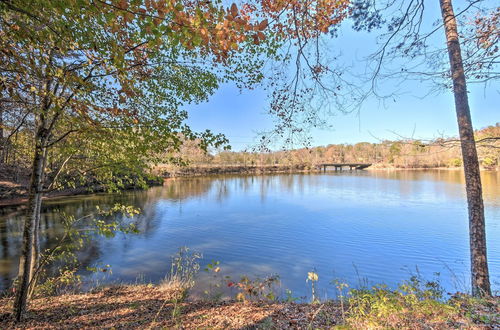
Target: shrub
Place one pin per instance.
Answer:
(489, 161)
(455, 162)
(414, 305)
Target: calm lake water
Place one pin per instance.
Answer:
(365, 226)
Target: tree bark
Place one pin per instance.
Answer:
(35, 257)
(477, 233)
(28, 258)
(2, 143)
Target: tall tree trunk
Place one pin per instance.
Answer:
(477, 234)
(2, 143)
(27, 260)
(35, 257)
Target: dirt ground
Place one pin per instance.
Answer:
(151, 307)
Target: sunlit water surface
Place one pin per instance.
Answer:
(359, 227)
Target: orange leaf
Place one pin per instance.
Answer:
(263, 25)
(234, 10)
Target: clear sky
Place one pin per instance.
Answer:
(241, 114)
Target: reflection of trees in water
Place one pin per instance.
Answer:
(52, 229)
(78, 206)
(182, 189)
(10, 238)
(490, 180)
(491, 185)
(222, 186)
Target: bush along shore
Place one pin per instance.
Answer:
(248, 303)
(14, 182)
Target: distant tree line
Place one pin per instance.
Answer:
(401, 153)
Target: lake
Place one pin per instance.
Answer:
(359, 227)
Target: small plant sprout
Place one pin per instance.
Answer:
(213, 266)
(257, 289)
(183, 269)
(214, 291)
(341, 286)
(289, 296)
(313, 277)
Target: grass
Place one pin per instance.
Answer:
(417, 304)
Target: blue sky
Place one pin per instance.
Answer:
(241, 114)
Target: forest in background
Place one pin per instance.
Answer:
(191, 159)
(403, 153)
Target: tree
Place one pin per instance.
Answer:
(115, 74)
(405, 39)
(408, 52)
(477, 230)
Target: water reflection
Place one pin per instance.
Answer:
(374, 224)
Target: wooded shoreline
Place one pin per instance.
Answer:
(20, 198)
(264, 169)
(21, 193)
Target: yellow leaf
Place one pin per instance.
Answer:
(312, 276)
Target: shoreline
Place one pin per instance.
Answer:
(196, 171)
(208, 171)
(20, 200)
(257, 169)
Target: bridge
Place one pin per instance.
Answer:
(340, 166)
